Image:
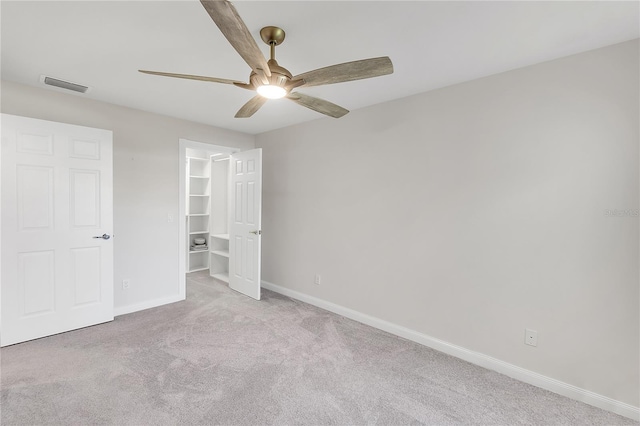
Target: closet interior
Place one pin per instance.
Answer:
(207, 212)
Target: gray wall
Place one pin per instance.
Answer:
(145, 171)
(475, 211)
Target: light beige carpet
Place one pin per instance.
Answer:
(222, 358)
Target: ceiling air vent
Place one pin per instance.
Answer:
(63, 84)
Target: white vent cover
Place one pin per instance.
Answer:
(56, 82)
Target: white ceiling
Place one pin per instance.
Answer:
(431, 44)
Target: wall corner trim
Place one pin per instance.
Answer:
(473, 357)
(148, 304)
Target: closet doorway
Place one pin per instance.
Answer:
(220, 215)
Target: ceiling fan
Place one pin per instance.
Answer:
(270, 80)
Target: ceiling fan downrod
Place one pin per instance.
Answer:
(272, 36)
(272, 44)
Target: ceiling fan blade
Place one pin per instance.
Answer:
(234, 29)
(293, 84)
(318, 105)
(244, 86)
(193, 77)
(251, 107)
(349, 71)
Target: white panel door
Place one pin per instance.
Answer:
(244, 222)
(57, 198)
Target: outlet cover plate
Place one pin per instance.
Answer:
(530, 337)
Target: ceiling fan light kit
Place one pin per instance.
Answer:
(270, 91)
(268, 78)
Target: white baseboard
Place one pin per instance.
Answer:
(473, 357)
(128, 309)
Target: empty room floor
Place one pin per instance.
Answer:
(222, 358)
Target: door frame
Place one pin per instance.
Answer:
(182, 208)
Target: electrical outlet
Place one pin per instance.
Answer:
(317, 280)
(169, 217)
(530, 337)
(126, 283)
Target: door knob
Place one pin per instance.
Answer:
(258, 232)
(104, 236)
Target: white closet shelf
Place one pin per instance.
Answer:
(198, 213)
(224, 276)
(223, 253)
(221, 236)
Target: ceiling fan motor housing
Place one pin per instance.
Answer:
(279, 76)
